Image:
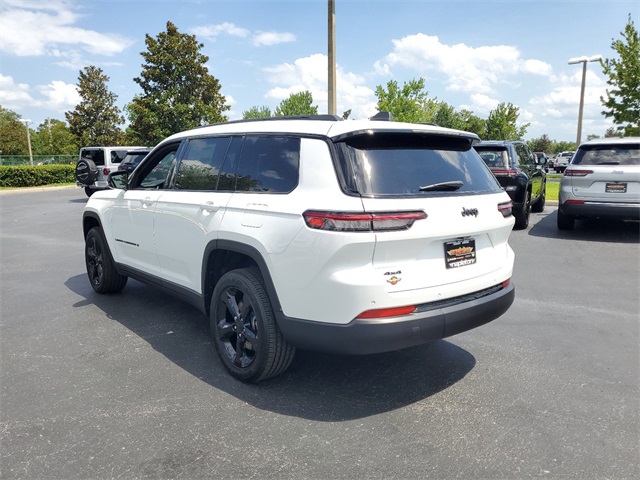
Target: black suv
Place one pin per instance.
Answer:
(519, 172)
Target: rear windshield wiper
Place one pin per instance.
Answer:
(442, 187)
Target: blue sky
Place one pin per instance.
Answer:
(472, 54)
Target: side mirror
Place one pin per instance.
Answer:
(118, 180)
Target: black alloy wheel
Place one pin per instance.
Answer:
(245, 334)
(100, 267)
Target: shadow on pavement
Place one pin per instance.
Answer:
(589, 230)
(317, 386)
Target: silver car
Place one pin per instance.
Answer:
(603, 180)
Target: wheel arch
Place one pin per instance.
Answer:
(222, 256)
(90, 220)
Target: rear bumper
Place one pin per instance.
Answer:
(362, 336)
(602, 209)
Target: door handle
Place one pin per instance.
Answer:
(146, 203)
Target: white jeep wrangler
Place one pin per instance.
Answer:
(96, 163)
(342, 236)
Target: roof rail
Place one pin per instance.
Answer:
(322, 117)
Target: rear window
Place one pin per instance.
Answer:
(392, 164)
(628, 154)
(494, 157)
(134, 158)
(118, 155)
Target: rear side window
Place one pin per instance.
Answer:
(118, 155)
(392, 164)
(96, 155)
(268, 164)
(200, 165)
(628, 154)
(494, 157)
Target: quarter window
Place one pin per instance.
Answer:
(268, 164)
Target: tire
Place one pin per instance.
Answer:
(565, 222)
(100, 267)
(245, 334)
(89, 191)
(538, 207)
(522, 215)
(86, 171)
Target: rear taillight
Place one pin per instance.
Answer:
(105, 172)
(361, 222)
(505, 209)
(576, 173)
(499, 172)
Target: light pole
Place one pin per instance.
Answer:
(583, 61)
(332, 58)
(26, 122)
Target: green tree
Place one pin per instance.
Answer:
(542, 144)
(257, 112)
(297, 104)
(53, 137)
(501, 124)
(178, 92)
(622, 101)
(96, 119)
(13, 134)
(612, 132)
(407, 104)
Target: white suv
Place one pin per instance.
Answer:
(354, 237)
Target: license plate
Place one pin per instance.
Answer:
(616, 188)
(460, 253)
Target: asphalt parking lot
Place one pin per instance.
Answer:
(128, 385)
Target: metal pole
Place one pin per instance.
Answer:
(332, 58)
(580, 110)
(26, 123)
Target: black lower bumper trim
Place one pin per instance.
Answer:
(365, 336)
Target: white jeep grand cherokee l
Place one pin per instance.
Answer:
(353, 237)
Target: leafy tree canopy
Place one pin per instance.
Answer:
(53, 137)
(622, 102)
(257, 112)
(13, 134)
(96, 119)
(300, 103)
(178, 92)
(409, 103)
(501, 124)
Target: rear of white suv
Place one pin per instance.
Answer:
(603, 180)
(350, 237)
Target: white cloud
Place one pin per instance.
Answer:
(465, 68)
(210, 32)
(272, 38)
(310, 73)
(13, 95)
(31, 28)
(59, 95)
(564, 99)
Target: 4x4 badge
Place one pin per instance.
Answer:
(467, 212)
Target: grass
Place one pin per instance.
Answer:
(66, 184)
(552, 190)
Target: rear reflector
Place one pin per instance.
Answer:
(505, 208)
(361, 222)
(388, 312)
(575, 202)
(576, 173)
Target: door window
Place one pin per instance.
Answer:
(200, 165)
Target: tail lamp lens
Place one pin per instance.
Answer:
(105, 172)
(576, 173)
(361, 222)
(505, 208)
